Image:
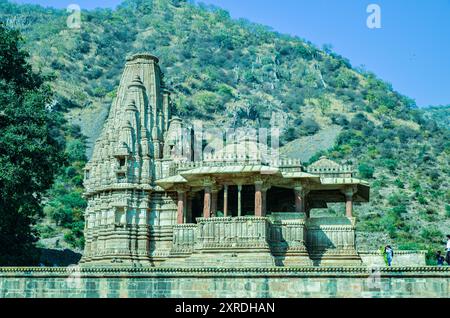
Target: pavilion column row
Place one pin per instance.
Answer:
(211, 198)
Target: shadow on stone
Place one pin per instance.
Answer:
(51, 257)
(318, 249)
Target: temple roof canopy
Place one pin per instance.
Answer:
(237, 169)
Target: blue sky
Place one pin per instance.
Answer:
(411, 50)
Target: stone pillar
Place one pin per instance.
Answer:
(239, 200)
(258, 199)
(225, 201)
(181, 207)
(188, 218)
(349, 193)
(207, 203)
(264, 201)
(214, 195)
(299, 199)
(349, 204)
(307, 208)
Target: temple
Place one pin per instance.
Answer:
(156, 198)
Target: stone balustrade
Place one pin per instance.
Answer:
(289, 242)
(184, 237)
(332, 241)
(287, 235)
(232, 233)
(335, 234)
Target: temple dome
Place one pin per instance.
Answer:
(246, 148)
(143, 56)
(324, 163)
(327, 166)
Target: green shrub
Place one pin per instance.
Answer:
(397, 198)
(309, 127)
(359, 122)
(399, 183)
(390, 164)
(422, 200)
(45, 231)
(432, 235)
(75, 150)
(366, 171)
(399, 210)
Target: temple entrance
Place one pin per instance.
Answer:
(280, 200)
(197, 205)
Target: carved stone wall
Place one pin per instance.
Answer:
(288, 242)
(331, 241)
(232, 233)
(184, 237)
(401, 258)
(351, 282)
(230, 242)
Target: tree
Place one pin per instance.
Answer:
(30, 153)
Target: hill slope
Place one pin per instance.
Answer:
(235, 73)
(440, 114)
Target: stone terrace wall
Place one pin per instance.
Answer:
(353, 282)
(401, 258)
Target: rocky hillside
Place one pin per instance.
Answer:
(235, 73)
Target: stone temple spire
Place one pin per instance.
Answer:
(119, 179)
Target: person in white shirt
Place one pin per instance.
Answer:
(447, 257)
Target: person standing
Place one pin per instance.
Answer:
(439, 259)
(447, 256)
(389, 254)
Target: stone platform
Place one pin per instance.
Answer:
(276, 282)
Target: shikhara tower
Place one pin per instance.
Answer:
(149, 205)
(127, 159)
